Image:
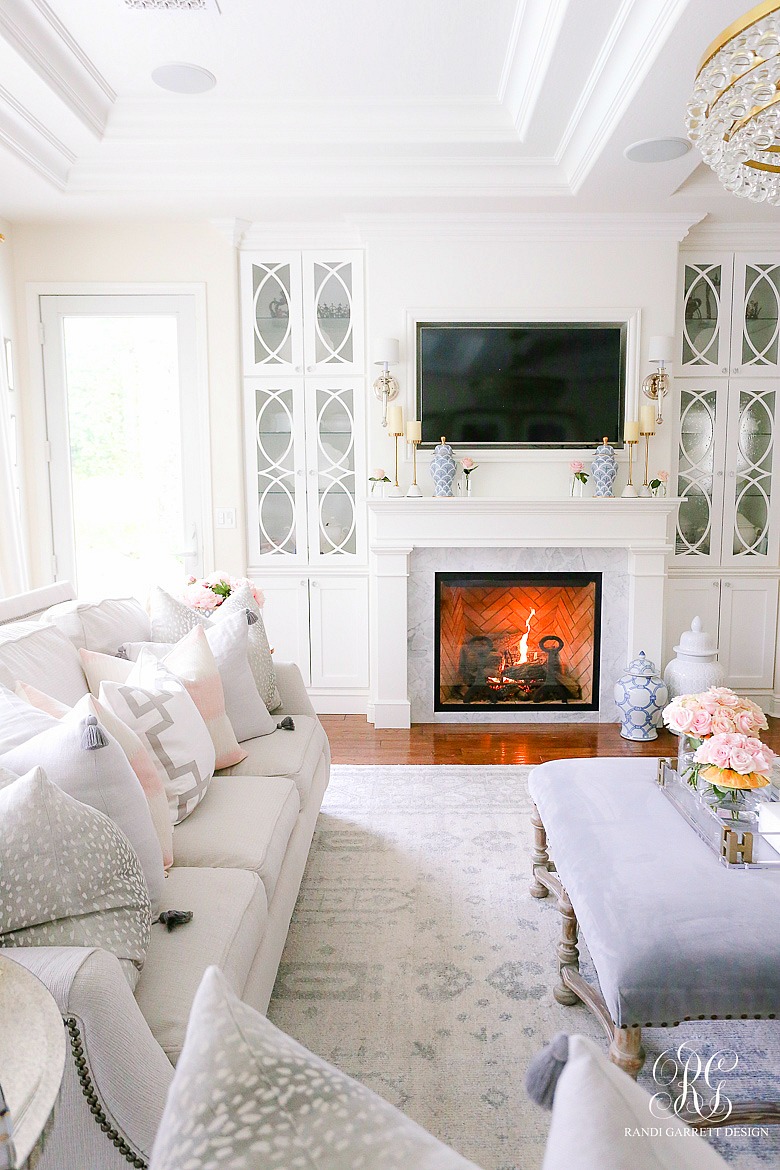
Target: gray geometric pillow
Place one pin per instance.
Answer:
(245, 1096)
(68, 876)
(172, 619)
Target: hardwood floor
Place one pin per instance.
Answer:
(354, 741)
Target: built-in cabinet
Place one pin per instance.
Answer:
(304, 422)
(725, 562)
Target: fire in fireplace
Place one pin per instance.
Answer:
(517, 641)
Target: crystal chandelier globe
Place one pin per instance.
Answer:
(734, 111)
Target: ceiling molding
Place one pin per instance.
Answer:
(733, 236)
(32, 142)
(635, 38)
(532, 227)
(283, 236)
(38, 37)
(532, 41)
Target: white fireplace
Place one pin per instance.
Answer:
(626, 541)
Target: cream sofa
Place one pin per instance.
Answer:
(238, 863)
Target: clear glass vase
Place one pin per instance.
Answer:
(575, 488)
(687, 767)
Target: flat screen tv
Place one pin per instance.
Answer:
(520, 384)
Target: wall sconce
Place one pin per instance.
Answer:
(656, 385)
(386, 387)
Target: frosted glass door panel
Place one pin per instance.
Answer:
(706, 308)
(333, 297)
(699, 475)
(748, 530)
(271, 303)
(755, 344)
(275, 445)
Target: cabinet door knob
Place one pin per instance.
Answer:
(310, 369)
(300, 471)
(720, 475)
(299, 370)
(724, 370)
(315, 584)
(727, 584)
(735, 369)
(303, 584)
(715, 584)
(312, 471)
(731, 474)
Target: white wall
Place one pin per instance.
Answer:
(144, 253)
(519, 277)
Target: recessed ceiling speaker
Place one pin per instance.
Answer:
(179, 77)
(657, 150)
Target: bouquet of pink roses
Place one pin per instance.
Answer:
(734, 761)
(717, 711)
(206, 593)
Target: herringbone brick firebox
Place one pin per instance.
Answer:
(511, 640)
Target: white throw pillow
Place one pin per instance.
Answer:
(68, 876)
(171, 619)
(99, 776)
(156, 706)
(19, 721)
(137, 755)
(596, 1103)
(99, 668)
(245, 1095)
(45, 658)
(100, 625)
(229, 641)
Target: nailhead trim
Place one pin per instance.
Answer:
(92, 1099)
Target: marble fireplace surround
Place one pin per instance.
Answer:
(628, 541)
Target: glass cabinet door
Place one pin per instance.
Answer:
(335, 478)
(748, 531)
(276, 499)
(333, 318)
(271, 302)
(755, 347)
(706, 315)
(700, 477)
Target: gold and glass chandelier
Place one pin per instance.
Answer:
(734, 111)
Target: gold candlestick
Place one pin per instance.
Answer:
(394, 490)
(645, 488)
(415, 491)
(629, 490)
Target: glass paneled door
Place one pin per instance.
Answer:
(127, 430)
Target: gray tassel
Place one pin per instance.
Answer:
(251, 617)
(545, 1069)
(286, 724)
(174, 918)
(92, 736)
(122, 653)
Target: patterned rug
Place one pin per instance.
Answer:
(418, 963)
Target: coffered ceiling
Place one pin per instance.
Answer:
(351, 107)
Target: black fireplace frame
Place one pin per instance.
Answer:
(520, 578)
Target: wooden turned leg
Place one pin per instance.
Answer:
(568, 952)
(541, 858)
(626, 1050)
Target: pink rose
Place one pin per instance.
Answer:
(218, 579)
(745, 722)
(663, 476)
(468, 464)
(742, 760)
(722, 723)
(678, 719)
(702, 723)
(575, 466)
(719, 755)
(200, 597)
(378, 473)
(724, 696)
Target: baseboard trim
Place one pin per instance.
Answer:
(397, 713)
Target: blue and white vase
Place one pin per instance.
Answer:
(443, 469)
(641, 696)
(604, 469)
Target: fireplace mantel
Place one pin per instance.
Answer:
(643, 527)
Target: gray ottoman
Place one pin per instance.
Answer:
(673, 934)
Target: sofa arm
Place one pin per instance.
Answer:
(295, 698)
(116, 1075)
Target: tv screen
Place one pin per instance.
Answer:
(521, 385)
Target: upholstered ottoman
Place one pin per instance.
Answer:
(673, 934)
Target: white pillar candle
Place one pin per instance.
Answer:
(413, 431)
(647, 419)
(395, 419)
(631, 433)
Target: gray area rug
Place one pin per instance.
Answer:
(418, 963)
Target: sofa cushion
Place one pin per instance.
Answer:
(244, 822)
(246, 1096)
(101, 625)
(44, 658)
(599, 1113)
(95, 770)
(285, 753)
(19, 721)
(68, 876)
(230, 912)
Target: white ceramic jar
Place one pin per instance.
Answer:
(696, 666)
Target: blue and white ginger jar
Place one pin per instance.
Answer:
(641, 696)
(443, 469)
(604, 469)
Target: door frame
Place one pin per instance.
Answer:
(37, 453)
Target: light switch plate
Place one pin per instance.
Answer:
(226, 517)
